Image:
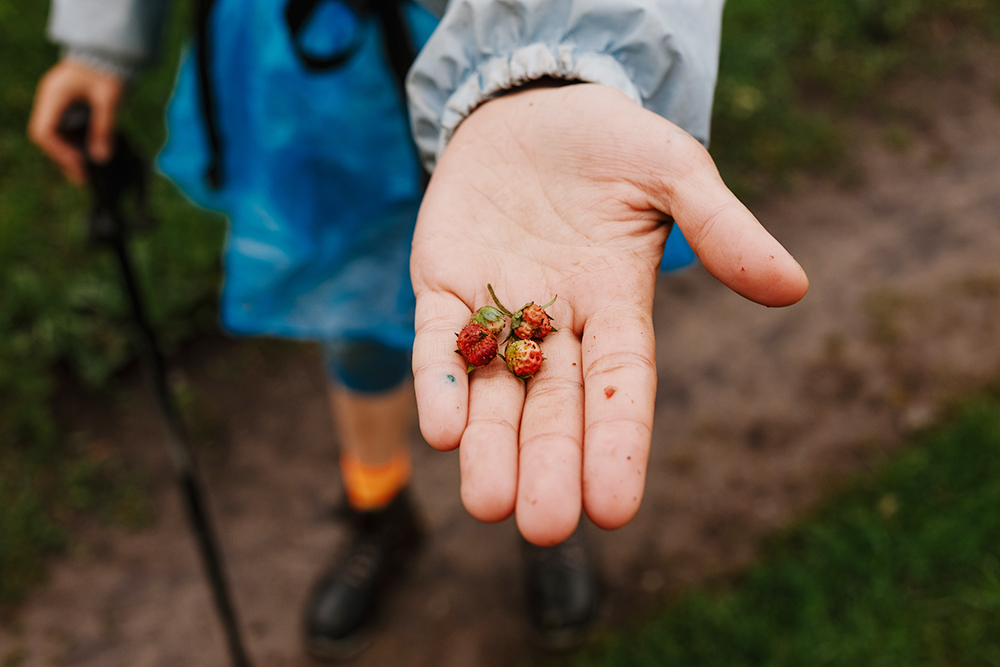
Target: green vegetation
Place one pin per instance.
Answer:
(788, 69)
(62, 314)
(903, 569)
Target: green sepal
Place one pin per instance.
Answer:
(488, 316)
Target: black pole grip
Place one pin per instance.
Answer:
(108, 181)
(74, 124)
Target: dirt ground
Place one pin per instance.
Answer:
(760, 413)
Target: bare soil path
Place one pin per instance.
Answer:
(759, 414)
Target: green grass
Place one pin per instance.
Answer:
(62, 315)
(791, 70)
(902, 569)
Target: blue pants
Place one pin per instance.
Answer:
(365, 365)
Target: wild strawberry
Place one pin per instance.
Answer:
(491, 318)
(524, 357)
(532, 322)
(476, 345)
(529, 323)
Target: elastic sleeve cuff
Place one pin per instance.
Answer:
(498, 75)
(661, 53)
(109, 63)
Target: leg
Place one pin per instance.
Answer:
(373, 411)
(374, 428)
(374, 443)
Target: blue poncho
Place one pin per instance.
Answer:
(321, 181)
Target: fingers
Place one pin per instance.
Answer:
(103, 109)
(522, 445)
(481, 411)
(725, 235)
(64, 84)
(619, 371)
(440, 380)
(50, 103)
(548, 494)
(489, 450)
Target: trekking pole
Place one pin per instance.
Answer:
(108, 182)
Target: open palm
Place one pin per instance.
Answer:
(566, 191)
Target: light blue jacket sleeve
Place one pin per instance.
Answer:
(118, 36)
(663, 54)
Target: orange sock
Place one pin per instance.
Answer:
(372, 487)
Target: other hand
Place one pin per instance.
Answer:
(67, 82)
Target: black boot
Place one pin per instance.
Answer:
(346, 597)
(563, 592)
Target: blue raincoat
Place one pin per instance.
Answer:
(321, 179)
(322, 183)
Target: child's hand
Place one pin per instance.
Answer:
(565, 191)
(67, 82)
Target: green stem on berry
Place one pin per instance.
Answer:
(503, 309)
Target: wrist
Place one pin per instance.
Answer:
(542, 82)
(102, 62)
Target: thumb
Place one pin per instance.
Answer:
(730, 242)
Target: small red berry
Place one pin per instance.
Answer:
(529, 323)
(532, 322)
(476, 345)
(524, 357)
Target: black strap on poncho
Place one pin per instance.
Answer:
(399, 47)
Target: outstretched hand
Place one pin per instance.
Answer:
(566, 191)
